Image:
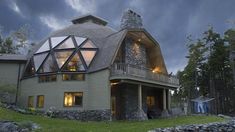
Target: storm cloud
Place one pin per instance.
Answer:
(169, 21)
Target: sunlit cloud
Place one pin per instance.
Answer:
(82, 7)
(52, 22)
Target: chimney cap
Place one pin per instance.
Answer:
(89, 18)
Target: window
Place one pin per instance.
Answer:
(30, 101)
(56, 40)
(29, 70)
(88, 55)
(44, 47)
(75, 64)
(47, 78)
(62, 56)
(48, 65)
(38, 59)
(67, 44)
(78, 77)
(40, 101)
(73, 99)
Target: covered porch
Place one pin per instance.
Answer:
(131, 100)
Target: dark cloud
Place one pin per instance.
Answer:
(170, 22)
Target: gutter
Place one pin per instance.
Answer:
(18, 83)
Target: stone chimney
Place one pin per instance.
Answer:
(130, 19)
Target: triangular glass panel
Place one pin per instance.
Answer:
(29, 70)
(62, 56)
(56, 40)
(66, 44)
(88, 44)
(38, 59)
(48, 65)
(44, 47)
(88, 55)
(75, 64)
(79, 40)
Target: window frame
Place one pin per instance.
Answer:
(45, 75)
(72, 102)
(30, 98)
(37, 103)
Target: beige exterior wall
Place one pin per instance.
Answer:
(9, 76)
(99, 90)
(95, 91)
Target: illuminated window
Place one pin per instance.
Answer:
(40, 101)
(150, 101)
(30, 101)
(88, 56)
(73, 99)
(62, 56)
(29, 70)
(73, 76)
(75, 64)
(88, 44)
(47, 78)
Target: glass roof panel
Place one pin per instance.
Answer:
(29, 70)
(88, 44)
(38, 59)
(62, 56)
(66, 44)
(75, 64)
(79, 40)
(48, 65)
(88, 55)
(44, 47)
(56, 40)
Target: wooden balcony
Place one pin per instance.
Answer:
(131, 72)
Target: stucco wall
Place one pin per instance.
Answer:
(94, 90)
(9, 76)
(99, 90)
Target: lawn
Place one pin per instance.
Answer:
(61, 125)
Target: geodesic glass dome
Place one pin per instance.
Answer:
(62, 54)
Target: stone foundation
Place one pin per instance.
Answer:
(87, 115)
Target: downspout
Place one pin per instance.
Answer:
(18, 83)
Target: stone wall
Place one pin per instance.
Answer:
(86, 115)
(131, 19)
(228, 126)
(135, 53)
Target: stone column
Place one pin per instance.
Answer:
(164, 99)
(140, 96)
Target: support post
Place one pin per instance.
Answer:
(164, 99)
(140, 96)
(169, 100)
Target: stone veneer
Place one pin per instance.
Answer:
(87, 115)
(135, 53)
(129, 104)
(131, 19)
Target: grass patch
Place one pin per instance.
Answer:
(61, 125)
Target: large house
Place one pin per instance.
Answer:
(93, 72)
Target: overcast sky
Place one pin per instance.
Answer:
(169, 21)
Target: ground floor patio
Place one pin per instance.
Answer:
(138, 100)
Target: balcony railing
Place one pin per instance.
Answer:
(120, 69)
